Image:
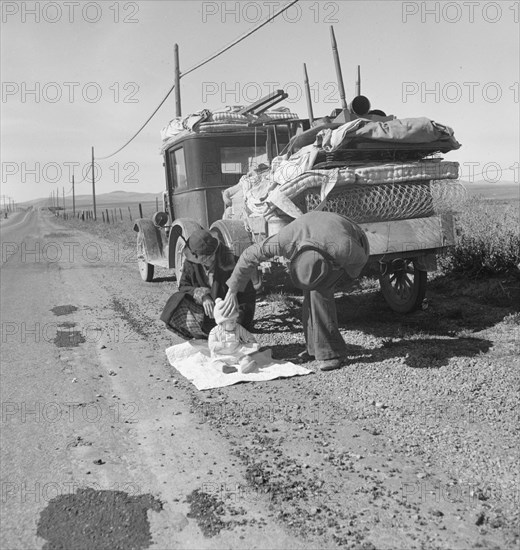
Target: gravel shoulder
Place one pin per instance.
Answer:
(413, 444)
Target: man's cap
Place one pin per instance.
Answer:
(309, 267)
(202, 243)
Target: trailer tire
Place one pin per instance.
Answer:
(403, 285)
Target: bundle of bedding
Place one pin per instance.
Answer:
(275, 191)
(412, 131)
(226, 119)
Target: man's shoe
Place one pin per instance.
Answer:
(305, 356)
(330, 364)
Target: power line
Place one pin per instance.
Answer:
(86, 175)
(198, 65)
(239, 39)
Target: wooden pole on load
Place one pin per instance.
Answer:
(93, 186)
(308, 94)
(177, 82)
(339, 75)
(358, 81)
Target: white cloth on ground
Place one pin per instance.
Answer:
(193, 360)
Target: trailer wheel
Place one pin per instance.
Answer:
(403, 285)
(145, 269)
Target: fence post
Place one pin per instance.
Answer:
(121, 214)
(108, 217)
(130, 213)
(141, 210)
(103, 214)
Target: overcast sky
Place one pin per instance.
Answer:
(81, 74)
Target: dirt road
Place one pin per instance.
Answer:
(414, 444)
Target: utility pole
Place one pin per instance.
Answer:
(338, 70)
(93, 186)
(178, 111)
(308, 94)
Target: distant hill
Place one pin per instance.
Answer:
(106, 199)
(492, 191)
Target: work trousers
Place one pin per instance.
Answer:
(320, 321)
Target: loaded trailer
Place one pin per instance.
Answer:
(244, 174)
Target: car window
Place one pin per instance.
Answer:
(240, 160)
(178, 164)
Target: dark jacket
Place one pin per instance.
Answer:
(343, 240)
(194, 277)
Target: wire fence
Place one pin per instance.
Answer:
(113, 214)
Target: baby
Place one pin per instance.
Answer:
(230, 343)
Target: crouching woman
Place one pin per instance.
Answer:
(207, 267)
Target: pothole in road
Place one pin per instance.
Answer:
(94, 519)
(64, 310)
(67, 324)
(68, 338)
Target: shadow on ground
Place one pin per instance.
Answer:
(427, 338)
(416, 353)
